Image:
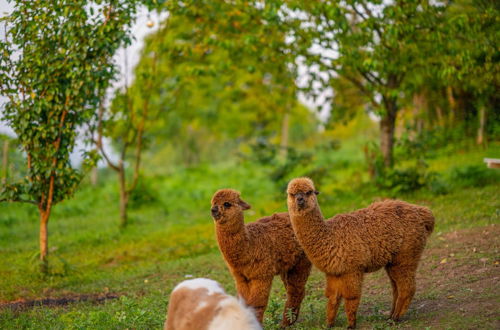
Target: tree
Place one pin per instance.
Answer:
(125, 124)
(56, 63)
(213, 71)
(471, 64)
(374, 45)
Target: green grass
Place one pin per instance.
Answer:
(172, 237)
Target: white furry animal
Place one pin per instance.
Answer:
(202, 304)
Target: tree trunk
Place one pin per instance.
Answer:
(44, 242)
(453, 104)
(482, 125)
(5, 162)
(387, 126)
(419, 105)
(285, 126)
(123, 197)
(94, 176)
(440, 117)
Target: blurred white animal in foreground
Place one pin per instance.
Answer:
(201, 303)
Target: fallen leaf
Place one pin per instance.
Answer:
(443, 261)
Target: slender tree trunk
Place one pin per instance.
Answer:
(123, 197)
(439, 114)
(452, 102)
(94, 176)
(44, 240)
(481, 139)
(419, 105)
(285, 126)
(387, 126)
(5, 162)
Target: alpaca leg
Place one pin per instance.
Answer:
(394, 291)
(333, 293)
(352, 294)
(242, 287)
(295, 282)
(258, 295)
(404, 277)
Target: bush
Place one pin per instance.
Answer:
(436, 184)
(429, 143)
(473, 176)
(402, 180)
(143, 194)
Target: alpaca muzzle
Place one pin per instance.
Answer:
(215, 212)
(301, 202)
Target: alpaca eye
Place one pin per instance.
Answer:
(309, 193)
(227, 205)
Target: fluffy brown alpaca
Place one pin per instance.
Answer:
(390, 234)
(258, 251)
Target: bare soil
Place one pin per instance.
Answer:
(23, 304)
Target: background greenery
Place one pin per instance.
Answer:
(214, 104)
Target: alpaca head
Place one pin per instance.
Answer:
(227, 206)
(301, 194)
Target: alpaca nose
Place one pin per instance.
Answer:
(215, 211)
(301, 201)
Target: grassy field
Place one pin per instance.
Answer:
(105, 278)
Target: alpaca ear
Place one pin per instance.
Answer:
(316, 192)
(243, 205)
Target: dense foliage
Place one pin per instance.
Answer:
(56, 64)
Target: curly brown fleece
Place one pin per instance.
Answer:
(390, 234)
(258, 251)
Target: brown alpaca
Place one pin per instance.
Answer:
(258, 251)
(390, 234)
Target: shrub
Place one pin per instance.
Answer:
(143, 194)
(437, 185)
(402, 180)
(473, 176)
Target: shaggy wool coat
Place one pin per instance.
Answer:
(390, 234)
(256, 252)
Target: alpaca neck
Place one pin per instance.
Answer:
(312, 231)
(233, 242)
(311, 223)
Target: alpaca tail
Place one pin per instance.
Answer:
(428, 220)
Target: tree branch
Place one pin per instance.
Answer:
(98, 142)
(375, 27)
(362, 88)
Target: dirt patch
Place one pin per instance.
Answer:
(22, 304)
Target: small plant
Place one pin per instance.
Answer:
(402, 180)
(473, 176)
(436, 184)
(273, 318)
(143, 194)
